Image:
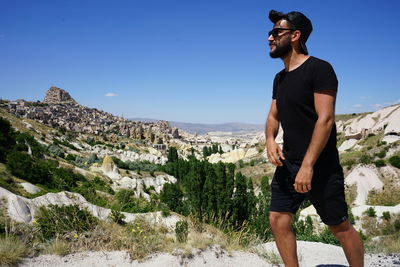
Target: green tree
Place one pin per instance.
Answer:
(260, 223)
(172, 195)
(220, 188)
(7, 139)
(251, 200)
(209, 195)
(172, 154)
(230, 184)
(240, 201)
(20, 164)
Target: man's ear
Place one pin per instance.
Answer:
(296, 35)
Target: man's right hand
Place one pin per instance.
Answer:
(274, 152)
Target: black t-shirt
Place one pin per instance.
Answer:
(294, 94)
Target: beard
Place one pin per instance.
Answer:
(281, 50)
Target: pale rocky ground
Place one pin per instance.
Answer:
(310, 254)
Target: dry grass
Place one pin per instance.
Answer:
(257, 171)
(385, 232)
(11, 251)
(57, 247)
(388, 196)
(351, 194)
(384, 244)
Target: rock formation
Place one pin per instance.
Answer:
(57, 95)
(22, 209)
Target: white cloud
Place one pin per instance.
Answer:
(377, 106)
(111, 94)
(364, 97)
(357, 106)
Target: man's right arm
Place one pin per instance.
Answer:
(271, 131)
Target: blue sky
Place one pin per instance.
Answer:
(192, 61)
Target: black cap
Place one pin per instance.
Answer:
(299, 21)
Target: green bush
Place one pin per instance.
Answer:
(365, 159)
(395, 161)
(117, 217)
(386, 215)
(70, 157)
(7, 138)
(349, 163)
(57, 220)
(128, 203)
(56, 150)
(181, 231)
(371, 212)
(65, 179)
(397, 224)
(380, 163)
(19, 163)
(382, 154)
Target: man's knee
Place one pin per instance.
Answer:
(280, 221)
(341, 230)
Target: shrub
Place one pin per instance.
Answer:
(70, 157)
(57, 247)
(397, 224)
(395, 161)
(349, 163)
(59, 220)
(380, 163)
(371, 212)
(56, 150)
(382, 154)
(7, 140)
(11, 251)
(146, 238)
(365, 159)
(165, 212)
(181, 231)
(65, 179)
(117, 217)
(386, 215)
(19, 164)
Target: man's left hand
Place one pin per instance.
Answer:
(302, 183)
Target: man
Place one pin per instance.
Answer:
(303, 102)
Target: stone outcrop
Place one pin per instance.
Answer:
(57, 95)
(59, 109)
(22, 209)
(138, 185)
(233, 156)
(108, 167)
(30, 188)
(366, 178)
(347, 144)
(386, 120)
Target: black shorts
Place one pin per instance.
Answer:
(326, 194)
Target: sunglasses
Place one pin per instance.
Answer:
(275, 31)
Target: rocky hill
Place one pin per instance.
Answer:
(59, 109)
(135, 187)
(57, 95)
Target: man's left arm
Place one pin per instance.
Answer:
(324, 102)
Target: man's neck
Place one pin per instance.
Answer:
(293, 60)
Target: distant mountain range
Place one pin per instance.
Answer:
(202, 128)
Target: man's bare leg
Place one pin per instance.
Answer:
(351, 243)
(281, 225)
